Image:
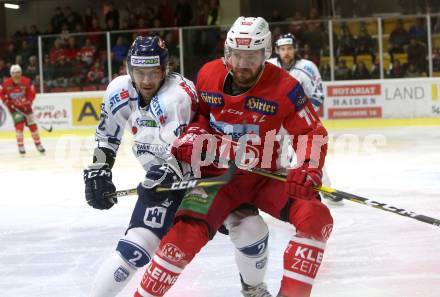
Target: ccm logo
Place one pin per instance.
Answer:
(184, 185)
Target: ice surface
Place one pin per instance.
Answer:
(52, 243)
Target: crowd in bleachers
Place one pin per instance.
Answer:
(79, 61)
(73, 61)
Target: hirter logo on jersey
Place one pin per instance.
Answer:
(213, 99)
(260, 105)
(243, 41)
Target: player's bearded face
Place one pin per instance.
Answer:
(246, 65)
(286, 52)
(148, 80)
(16, 76)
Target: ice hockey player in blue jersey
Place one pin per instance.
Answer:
(156, 105)
(306, 72)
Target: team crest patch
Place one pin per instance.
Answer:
(121, 274)
(261, 105)
(297, 97)
(172, 252)
(213, 99)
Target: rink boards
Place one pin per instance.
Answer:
(356, 104)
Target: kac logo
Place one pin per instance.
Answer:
(172, 252)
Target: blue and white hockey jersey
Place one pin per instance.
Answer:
(154, 127)
(306, 72)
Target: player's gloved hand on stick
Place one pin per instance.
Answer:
(183, 147)
(156, 175)
(301, 180)
(99, 186)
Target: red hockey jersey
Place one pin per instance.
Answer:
(18, 96)
(275, 105)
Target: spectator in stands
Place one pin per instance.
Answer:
(416, 53)
(112, 16)
(325, 72)
(71, 50)
(88, 52)
(79, 71)
(396, 70)
(360, 71)
(89, 15)
(57, 20)
(341, 71)
(32, 37)
(365, 44)
(71, 18)
(436, 27)
(96, 39)
(9, 54)
(308, 54)
(213, 12)
(314, 14)
(375, 70)
(312, 35)
(57, 51)
(183, 13)
(95, 75)
(418, 31)
(346, 42)
(48, 71)
(62, 72)
(26, 51)
(166, 13)
(119, 51)
(436, 59)
(398, 38)
(276, 16)
(412, 71)
(21, 32)
(31, 70)
(4, 71)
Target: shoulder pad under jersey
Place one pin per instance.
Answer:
(119, 92)
(308, 67)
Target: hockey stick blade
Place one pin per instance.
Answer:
(47, 129)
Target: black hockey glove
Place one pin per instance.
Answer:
(157, 175)
(99, 186)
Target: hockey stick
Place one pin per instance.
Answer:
(39, 124)
(185, 184)
(355, 198)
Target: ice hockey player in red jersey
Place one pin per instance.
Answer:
(18, 94)
(247, 100)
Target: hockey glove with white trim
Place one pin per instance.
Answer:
(156, 175)
(99, 186)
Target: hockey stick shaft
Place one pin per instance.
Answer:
(357, 199)
(39, 124)
(185, 184)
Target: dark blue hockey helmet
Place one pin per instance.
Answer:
(147, 51)
(286, 39)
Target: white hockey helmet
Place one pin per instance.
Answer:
(249, 33)
(15, 69)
